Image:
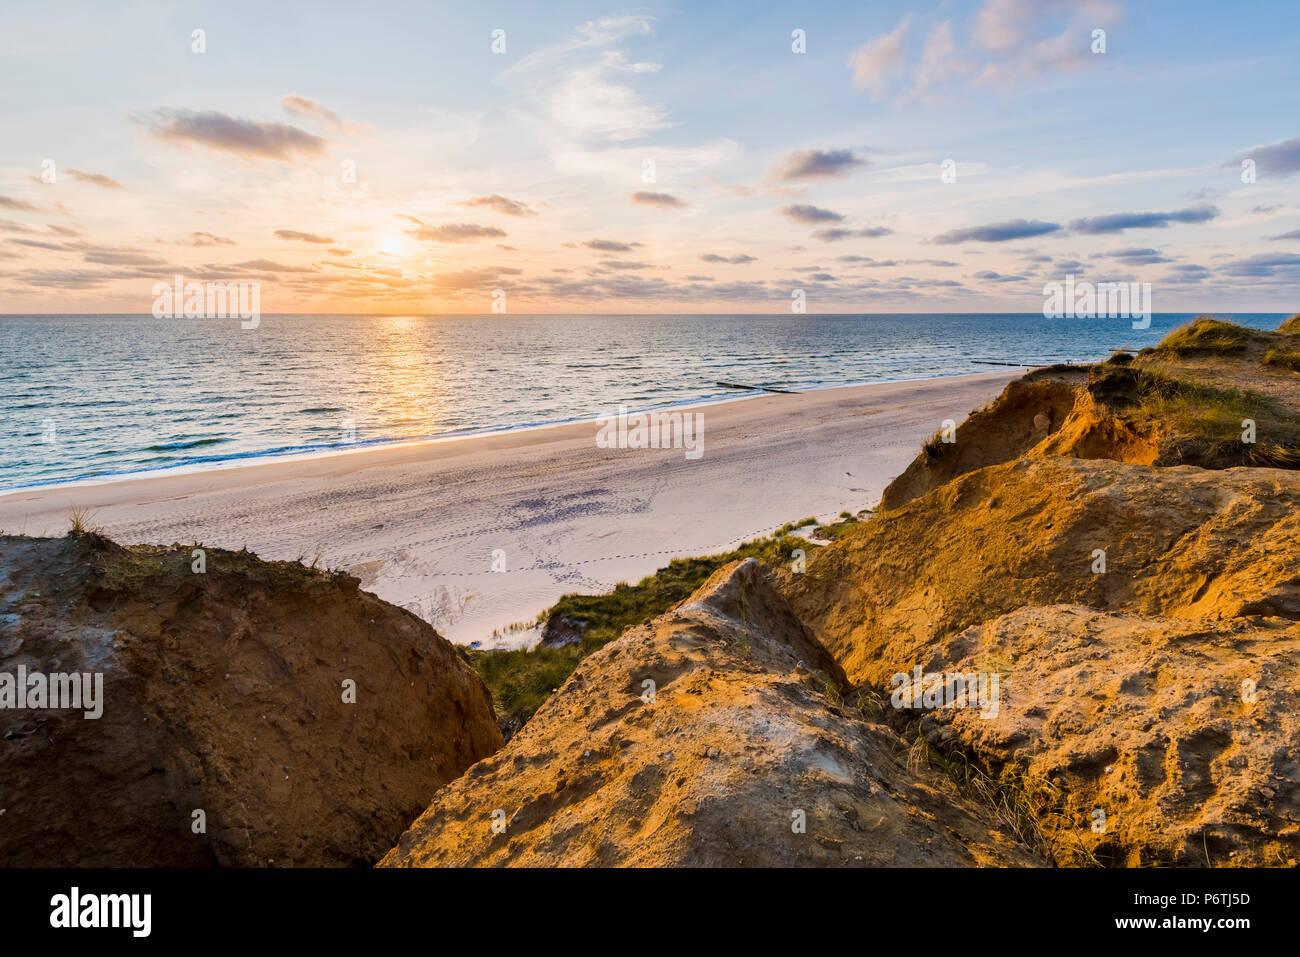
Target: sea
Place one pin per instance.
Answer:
(94, 396)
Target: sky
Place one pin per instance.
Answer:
(431, 158)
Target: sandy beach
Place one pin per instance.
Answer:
(423, 524)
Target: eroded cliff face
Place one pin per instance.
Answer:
(1179, 542)
(1141, 617)
(226, 692)
(1182, 403)
(742, 757)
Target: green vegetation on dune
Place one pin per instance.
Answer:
(1205, 421)
(1285, 358)
(1206, 336)
(520, 681)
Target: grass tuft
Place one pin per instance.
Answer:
(522, 680)
(1206, 336)
(79, 522)
(1285, 358)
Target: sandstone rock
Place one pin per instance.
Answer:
(1121, 690)
(736, 759)
(223, 693)
(1180, 736)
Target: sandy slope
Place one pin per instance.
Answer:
(419, 523)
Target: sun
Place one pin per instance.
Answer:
(393, 246)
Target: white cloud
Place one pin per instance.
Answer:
(594, 33)
(878, 61)
(589, 102)
(938, 61)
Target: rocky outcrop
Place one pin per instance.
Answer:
(1126, 609)
(1178, 542)
(253, 713)
(1183, 403)
(1160, 740)
(711, 736)
(1029, 410)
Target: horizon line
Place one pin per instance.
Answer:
(541, 315)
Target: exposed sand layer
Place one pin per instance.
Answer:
(307, 721)
(1157, 690)
(419, 523)
(706, 738)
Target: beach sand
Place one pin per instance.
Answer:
(419, 523)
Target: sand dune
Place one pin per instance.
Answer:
(419, 523)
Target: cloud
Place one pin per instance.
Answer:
(257, 265)
(938, 62)
(7, 202)
(1281, 159)
(473, 278)
(1003, 25)
(229, 134)
(306, 106)
(339, 252)
(1013, 31)
(1118, 222)
(500, 204)
(82, 278)
(610, 245)
(816, 164)
(588, 103)
(1188, 273)
(623, 264)
(803, 213)
(94, 179)
(594, 33)
(1294, 234)
(1009, 41)
(1138, 256)
(451, 232)
(998, 232)
(835, 235)
(988, 275)
(293, 234)
(123, 257)
(208, 239)
(39, 244)
(1263, 264)
(876, 263)
(736, 260)
(878, 61)
(655, 199)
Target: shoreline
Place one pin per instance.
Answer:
(478, 533)
(250, 459)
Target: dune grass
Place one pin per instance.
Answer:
(520, 681)
(1283, 358)
(79, 521)
(1209, 421)
(1206, 336)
